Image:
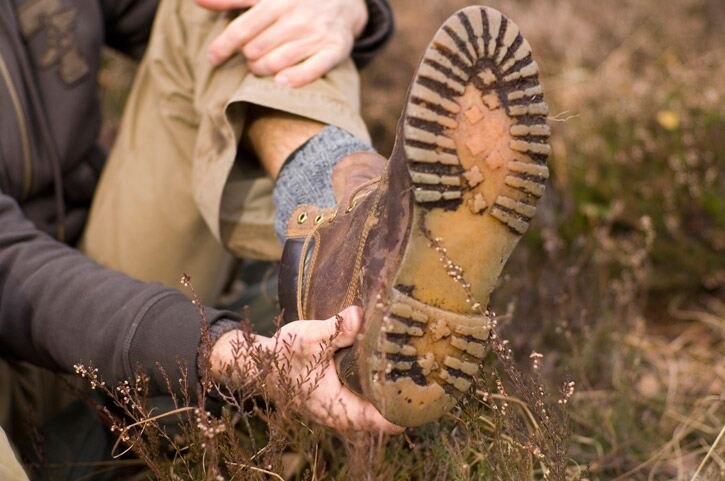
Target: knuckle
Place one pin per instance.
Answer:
(311, 73)
(250, 50)
(299, 23)
(276, 64)
(316, 39)
(256, 69)
(225, 45)
(236, 36)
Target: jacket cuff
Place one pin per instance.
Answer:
(377, 32)
(169, 335)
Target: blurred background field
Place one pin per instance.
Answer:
(620, 283)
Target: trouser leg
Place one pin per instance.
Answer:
(10, 468)
(178, 193)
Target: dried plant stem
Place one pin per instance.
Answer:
(524, 407)
(259, 470)
(142, 423)
(709, 454)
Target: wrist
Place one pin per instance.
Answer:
(231, 356)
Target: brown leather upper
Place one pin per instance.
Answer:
(353, 178)
(351, 258)
(354, 171)
(357, 252)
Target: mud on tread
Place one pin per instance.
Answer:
(477, 46)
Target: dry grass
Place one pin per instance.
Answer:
(619, 284)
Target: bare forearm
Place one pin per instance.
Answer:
(274, 135)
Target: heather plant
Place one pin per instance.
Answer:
(506, 427)
(245, 438)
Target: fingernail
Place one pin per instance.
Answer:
(351, 320)
(282, 79)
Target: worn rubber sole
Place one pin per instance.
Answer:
(475, 143)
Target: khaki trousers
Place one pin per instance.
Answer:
(177, 196)
(10, 469)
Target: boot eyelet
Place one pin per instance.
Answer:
(351, 207)
(302, 218)
(319, 218)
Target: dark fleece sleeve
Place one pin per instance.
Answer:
(58, 308)
(128, 24)
(377, 32)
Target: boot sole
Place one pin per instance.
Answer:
(475, 141)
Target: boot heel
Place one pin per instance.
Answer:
(418, 386)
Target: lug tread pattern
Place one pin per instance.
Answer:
(416, 376)
(479, 46)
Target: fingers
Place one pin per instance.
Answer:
(281, 33)
(309, 337)
(352, 319)
(242, 29)
(282, 58)
(356, 414)
(337, 407)
(309, 70)
(314, 333)
(298, 40)
(298, 63)
(331, 403)
(226, 4)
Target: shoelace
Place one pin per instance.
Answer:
(359, 188)
(313, 231)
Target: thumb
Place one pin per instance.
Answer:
(350, 322)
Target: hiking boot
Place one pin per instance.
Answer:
(422, 251)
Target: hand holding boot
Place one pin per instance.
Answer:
(299, 344)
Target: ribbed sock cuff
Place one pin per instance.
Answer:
(306, 176)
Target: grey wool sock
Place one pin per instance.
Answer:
(306, 176)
